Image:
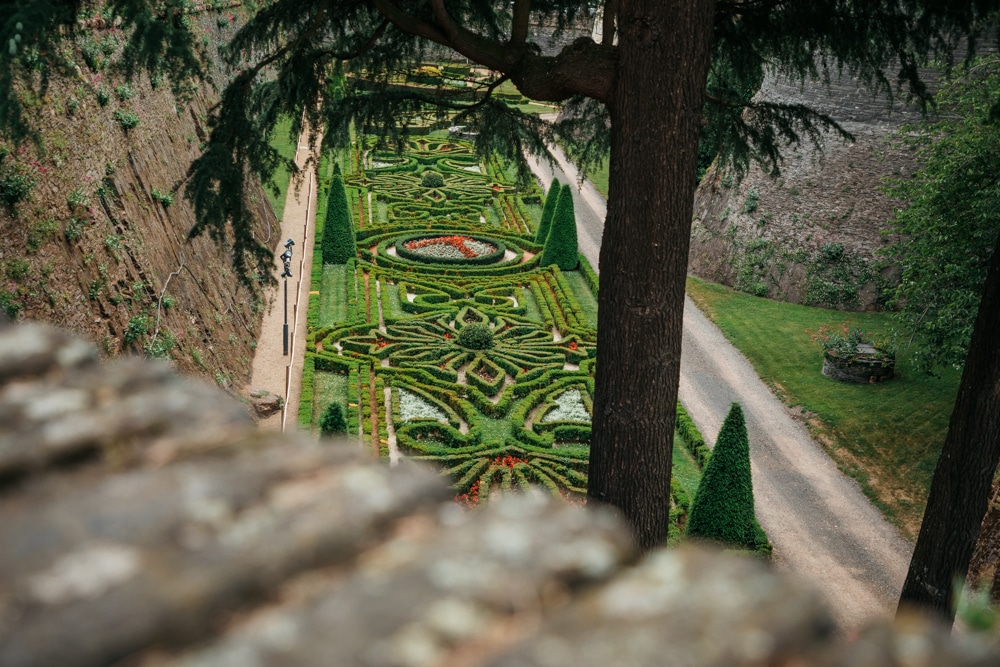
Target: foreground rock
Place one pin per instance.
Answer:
(143, 521)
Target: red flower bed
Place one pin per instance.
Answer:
(508, 460)
(457, 242)
(470, 499)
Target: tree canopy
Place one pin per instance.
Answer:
(641, 97)
(288, 50)
(949, 227)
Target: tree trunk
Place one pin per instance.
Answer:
(960, 489)
(655, 107)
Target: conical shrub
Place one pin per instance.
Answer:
(332, 423)
(723, 506)
(561, 246)
(338, 232)
(550, 207)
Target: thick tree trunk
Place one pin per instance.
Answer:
(960, 489)
(655, 107)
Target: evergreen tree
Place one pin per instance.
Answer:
(332, 422)
(560, 245)
(723, 505)
(550, 207)
(338, 232)
(637, 99)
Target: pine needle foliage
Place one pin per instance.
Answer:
(723, 510)
(340, 65)
(547, 211)
(561, 246)
(338, 232)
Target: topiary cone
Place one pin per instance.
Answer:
(550, 207)
(338, 232)
(723, 506)
(561, 244)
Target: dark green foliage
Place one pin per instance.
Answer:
(338, 232)
(126, 119)
(332, 423)
(950, 228)
(138, 326)
(476, 336)
(432, 179)
(299, 42)
(561, 246)
(15, 185)
(723, 506)
(9, 304)
(547, 211)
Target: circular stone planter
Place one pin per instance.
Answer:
(429, 257)
(863, 368)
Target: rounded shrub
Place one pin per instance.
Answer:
(476, 336)
(432, 179)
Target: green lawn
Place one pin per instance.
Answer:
(395, 306)
(685, 470)
(584, 297)
(333, 295)
(599, 177)
(286, 147)
(328, 388)
(887, 436)
(533, 312)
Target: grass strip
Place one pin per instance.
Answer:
(286, 146)
(886, 436)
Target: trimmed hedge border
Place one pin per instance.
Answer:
(491, 258)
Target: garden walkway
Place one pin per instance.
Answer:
(822, 526)
(272, 369)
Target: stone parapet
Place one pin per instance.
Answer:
(179, 535)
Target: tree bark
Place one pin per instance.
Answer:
(655, 107)
(960, 489)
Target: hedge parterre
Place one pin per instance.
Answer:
(483, 368)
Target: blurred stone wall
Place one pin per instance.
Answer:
(145, 522)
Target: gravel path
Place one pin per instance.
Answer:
(272, 369)
(822, 526)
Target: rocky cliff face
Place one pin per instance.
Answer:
(100, 244)
(811, 235)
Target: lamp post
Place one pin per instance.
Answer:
(286, 259)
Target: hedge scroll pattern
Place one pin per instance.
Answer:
(482, 408)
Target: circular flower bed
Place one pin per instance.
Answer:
(450, 249)
(851, 355)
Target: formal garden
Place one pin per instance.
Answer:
(454, 321)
